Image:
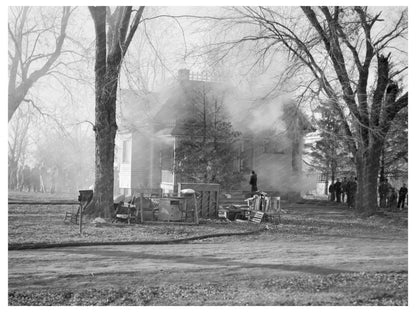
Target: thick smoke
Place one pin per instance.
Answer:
(258, 118)
(262, 119)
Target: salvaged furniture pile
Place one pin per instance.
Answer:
(192, 202)
(258, 208)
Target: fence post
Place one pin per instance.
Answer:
(141, 207)
(80, 219)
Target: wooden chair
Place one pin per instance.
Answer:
(71, 216)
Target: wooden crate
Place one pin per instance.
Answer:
(208, 199)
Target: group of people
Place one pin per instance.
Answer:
(388, 197)
(36, 179)
(344, 191)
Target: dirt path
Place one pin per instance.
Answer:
(265, 256)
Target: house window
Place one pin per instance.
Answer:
(126, 152)
(322, 177)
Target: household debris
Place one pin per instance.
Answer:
(258, 208)
(98, 220)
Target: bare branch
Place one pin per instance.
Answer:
(133, 28)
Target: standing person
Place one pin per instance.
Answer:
(343, 189)
(54, 178)
(352, 190)
(383, 188)
(253, 182)
(26, 178)
(332, 192)
(43, 178)
(402, 196)
(338, 189)
(20, 178)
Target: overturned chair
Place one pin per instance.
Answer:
(125, 210)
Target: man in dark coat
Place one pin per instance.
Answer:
(402, 196)
(383, 189)
(43, 177)
(332, 191)
(253, 182)
(344, 189)
(338, 190)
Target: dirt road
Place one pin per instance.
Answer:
(203, 261)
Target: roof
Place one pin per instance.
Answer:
(180, 106)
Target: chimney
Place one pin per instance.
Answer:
(183, 74)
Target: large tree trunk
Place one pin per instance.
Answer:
(372, 171)
(104, 158)
(368, 167)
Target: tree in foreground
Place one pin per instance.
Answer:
(346, 56)
(114, 32)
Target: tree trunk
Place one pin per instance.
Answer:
(373, 167)
(359, 165)
(368, 167)
(104, 165)
(105, 133)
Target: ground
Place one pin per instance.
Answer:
(319, 254)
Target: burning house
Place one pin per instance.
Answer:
(153, 128)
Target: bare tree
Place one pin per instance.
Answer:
(341, 48)
(18, 141)
(29, 59)
(114, 33)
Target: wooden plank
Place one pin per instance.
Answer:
(196, 210)
(267, 206)
(256, 203)
(204, 206)
(210, 208)
(258, 217)
(141, 207)
(217, 198)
